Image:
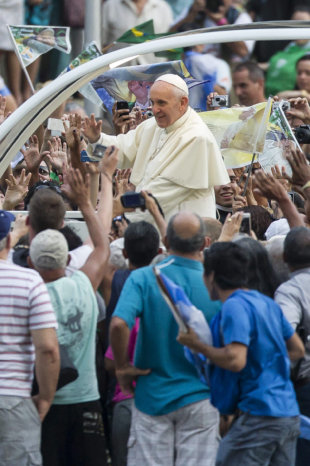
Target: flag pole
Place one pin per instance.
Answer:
(20, 60)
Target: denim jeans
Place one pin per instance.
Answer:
(260, 441)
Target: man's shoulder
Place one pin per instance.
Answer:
(9, 270)
(196, 127)
(249, 300)
(296, 283)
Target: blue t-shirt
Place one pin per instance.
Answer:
(173, 381)
(255, 320)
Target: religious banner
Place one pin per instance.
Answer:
(133, 83)
(239, 131)
(280, 140)
(32, 41)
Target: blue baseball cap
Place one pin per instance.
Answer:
(6, 218)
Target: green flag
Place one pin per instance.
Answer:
(145, 32)
(138, 34)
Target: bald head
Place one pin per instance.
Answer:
(186, 233)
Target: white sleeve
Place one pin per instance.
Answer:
(78, 257)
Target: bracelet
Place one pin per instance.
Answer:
(305, 186)
(107, 176)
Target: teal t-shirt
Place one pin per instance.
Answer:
(76, 309)
(173, 381)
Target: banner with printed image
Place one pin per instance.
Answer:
(239, 131)
(32, 41)
(133, 83)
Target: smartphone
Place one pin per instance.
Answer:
(246, 225)
(131, 199)
(122, 105)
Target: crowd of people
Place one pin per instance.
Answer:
(94, 367)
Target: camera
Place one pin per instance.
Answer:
(302, 134)
(148, 113)
(246, 223)
(99, 151)
(119, 218)
(132, 200)
(285, 105)
(220, 101)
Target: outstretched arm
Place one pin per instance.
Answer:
(78, 191)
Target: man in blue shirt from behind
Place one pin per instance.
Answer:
(257, 340)
(173, 421)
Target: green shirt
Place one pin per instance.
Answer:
(76, 309)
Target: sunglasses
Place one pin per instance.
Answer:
(44, 171)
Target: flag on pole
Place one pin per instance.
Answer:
(145, 32)
(239, 131)
(138, 34)
(32, 41)
(185, 315)
(90, 52)
(280, 140)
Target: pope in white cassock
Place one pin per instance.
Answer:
(173, 155)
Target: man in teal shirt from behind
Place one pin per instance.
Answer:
(173, 421)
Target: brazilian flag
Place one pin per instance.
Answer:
(145, 32)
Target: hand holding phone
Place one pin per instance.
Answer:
(246, 225)
(132, 200)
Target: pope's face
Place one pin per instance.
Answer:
(167, 105)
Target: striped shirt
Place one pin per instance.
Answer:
(24, 306)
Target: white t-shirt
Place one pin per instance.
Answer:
(24, 306)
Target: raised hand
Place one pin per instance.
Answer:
(300, 109)
(109, 161)
(239, 202)
(268, 186)
(92, 128)
(57, 153)
(300, 168)
(16, 190)
(76, 188)
(32, 155)
(231, 226)
(121, 120)
(73, 130)
(122, 183)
